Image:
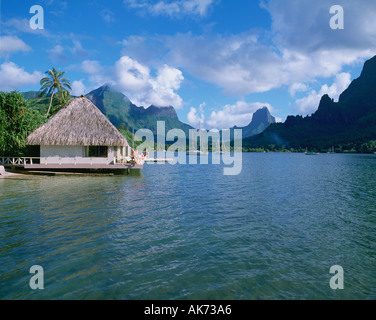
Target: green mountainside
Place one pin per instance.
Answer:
(124, 114)
(346, 125)
(119, 110)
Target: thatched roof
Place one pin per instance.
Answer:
(79, 124)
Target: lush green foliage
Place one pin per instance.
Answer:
(133, 142)
(126, 133)
(17, 121)
(41, 104)
(64, 98)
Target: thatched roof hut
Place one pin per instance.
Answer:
(81, 123)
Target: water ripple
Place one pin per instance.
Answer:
(188, 232)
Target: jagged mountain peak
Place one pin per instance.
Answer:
(162, 111)
(263, 115)
(349, 124)
(108, 89)
(261, 120)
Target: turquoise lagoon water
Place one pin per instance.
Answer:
(189, 232)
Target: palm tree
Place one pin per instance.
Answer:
(53, 82)
(64, 98)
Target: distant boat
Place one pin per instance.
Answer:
(219, 150)
(311, 153)
(331, 151)
(199, 152)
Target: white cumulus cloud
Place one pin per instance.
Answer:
(239, 114)
(300, 47)
(310, 103)
(13, 77)
(136, 81)
(173, 9)
(242, 65)
(196, 116)
(132, 76)
(78, 88)
(297, 87)
(12, 44)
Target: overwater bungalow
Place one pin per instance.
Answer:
(79, 137)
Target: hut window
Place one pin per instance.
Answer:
(96, 152)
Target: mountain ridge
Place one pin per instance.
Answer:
(349, 124)
(122, 112)
(261, 120)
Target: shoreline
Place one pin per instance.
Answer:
(31, 174)
(12, 175)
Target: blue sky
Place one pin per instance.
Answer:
(215, 61)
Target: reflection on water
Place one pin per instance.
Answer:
(188, 232)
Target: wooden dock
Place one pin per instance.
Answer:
(34, 164)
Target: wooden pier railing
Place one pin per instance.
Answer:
(18, 161)
(33, 163)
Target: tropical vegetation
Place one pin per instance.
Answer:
(348, 125)
(55, 82)
(17, 121)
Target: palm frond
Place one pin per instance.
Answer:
(54, 81)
